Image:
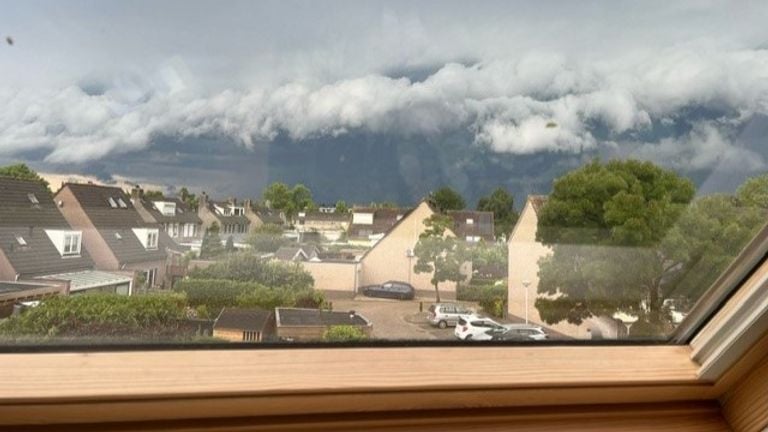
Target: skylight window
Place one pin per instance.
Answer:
(33, 198)
(122, 203)
(20, 240)
(112, 202)
(118, 236)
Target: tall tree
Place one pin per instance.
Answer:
(445, 199)
(153, 195)
(605, 224)
(341, 207)
(23, 172)
(211, 245)
(439, 253)
(754, 192)
(290, 201)
(502, 204)
(189, 199)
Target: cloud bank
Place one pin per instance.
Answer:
(535, 103)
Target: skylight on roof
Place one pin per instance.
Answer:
(112, 202)
(122, 203)
(33, 198)
(20, 240)
(118, 236)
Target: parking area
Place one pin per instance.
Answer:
(396, 319)
(402, 319)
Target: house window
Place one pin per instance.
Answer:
(33, 198)
(112, 202)
(71, 244)
(152, 239)
(122, 203)
(470, 221)
(20, 240)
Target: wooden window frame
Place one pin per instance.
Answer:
(96, 387)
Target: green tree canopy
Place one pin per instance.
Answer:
(189, 199)
(502, 204)
(439, 253)
(290, 201)
(754, 192)
(211, 246)
(246, 267)
(267, 238)
(341, 207)
(445, 199)
(153, 195)
(21, 171)
(605, 224)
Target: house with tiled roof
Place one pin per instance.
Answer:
(179, 221)
(114, 233)
(473, 226)
(244, 325)
(236, 219)
(37, 242)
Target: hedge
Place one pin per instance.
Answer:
(247, 267)
(100, 315)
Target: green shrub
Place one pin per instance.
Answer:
(106, 315)
(492, 298)
(215, 294)
(344, 333)
(247, 267)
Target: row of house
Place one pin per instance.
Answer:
(390, 236)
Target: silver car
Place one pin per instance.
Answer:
(446, 314)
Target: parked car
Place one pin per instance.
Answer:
(446, 314)
(390, 289)
(506, 335)
(476, 327)
(518, 332)
(530, 331)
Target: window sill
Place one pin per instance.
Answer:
(131, 386)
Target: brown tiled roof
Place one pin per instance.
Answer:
(481, 226)
(250, 319)
(537, 202)
(383, 220)
(115, 225)
(183, 213)
(20, 217)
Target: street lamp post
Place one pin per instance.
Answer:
(526, 284)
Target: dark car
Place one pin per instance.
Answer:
(390, 289)
(507, 335)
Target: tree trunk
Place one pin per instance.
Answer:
(437, 294)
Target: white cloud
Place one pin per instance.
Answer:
(542, 102)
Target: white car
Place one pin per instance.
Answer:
(475, 327)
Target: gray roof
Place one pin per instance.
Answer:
(288, 253)
(269, 216)
(115, 225)
(384, 219)
(246, 319)
(481, 226)
(79, 281)
(183, 213)
(20, 217)
(317, 317)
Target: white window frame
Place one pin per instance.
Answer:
(72, 244)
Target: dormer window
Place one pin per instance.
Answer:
(32, 198)
(72, 244)
(166, 208)
(68, 243)
(147, 237)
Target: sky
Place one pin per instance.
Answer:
(366, 100)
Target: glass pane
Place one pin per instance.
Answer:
(288, 172)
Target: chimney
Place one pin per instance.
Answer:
(136, 193)
(247, 205)
(203, 201)
(232, 200)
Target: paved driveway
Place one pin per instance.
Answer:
(395, 319)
